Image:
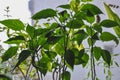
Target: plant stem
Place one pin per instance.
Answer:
(93, 71)
(22, 73)
(53, 75)
(59, 73)
(38, 74)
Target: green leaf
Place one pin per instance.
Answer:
(80, 36)
(49, 66)
(91, 41)
(64, 16)
(53, 39)
(113, 16)
(97, 78)
(66, 6)
(86, 0)
(9, 53)
(95, 36)
(106, 36)
(41, 31)
(97, 27)
(70, 58)
(30, 30)
(90, 19)
(4, 77)
(91, 9)
(58, 49)
(15, 40)
(41, 40)
(75, 24)
(90, 31)
(85, 58)
(23, 56)
(106, 56)
(13, 24)
(44, 64)
(80, 15)
(43, 14)
(67, 75)
(109, 23)
(117, 30)
(51, 54)
(78, 56)
(116, 64)
(97, 52)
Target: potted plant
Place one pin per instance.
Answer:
(58, 44)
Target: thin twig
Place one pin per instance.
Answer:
(22, 72)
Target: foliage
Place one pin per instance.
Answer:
(56, 46)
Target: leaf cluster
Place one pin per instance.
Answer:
(58, 44)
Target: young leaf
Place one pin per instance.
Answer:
(23, 55)
(9, 53)
(106, 56)
(15, 40)
(90, 8)
(13, 24)
(108, 23)
(106, 36)
(66, 6)
(70, 58)
(43, 14)
(66, 75)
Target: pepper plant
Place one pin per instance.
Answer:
(58, 44)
